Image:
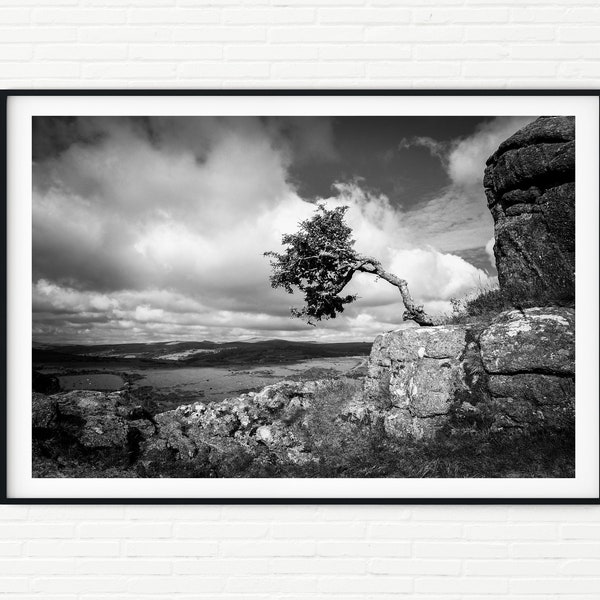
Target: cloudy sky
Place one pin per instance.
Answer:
(149, 229)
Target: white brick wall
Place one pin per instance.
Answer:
(299, 43)
(298, 552)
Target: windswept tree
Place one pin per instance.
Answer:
(320, 260)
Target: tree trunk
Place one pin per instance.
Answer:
(413, 311)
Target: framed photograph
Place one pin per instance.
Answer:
(301, 296)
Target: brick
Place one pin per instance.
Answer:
(555, 51)
(270, 513)
(509, 69)
(460, 51)
(370, 513)
(554, 586)
(461, 513)
(364, 548)
(414, 33)
(460, 15)
(32, 566)
(413, 566)
(126, 70)
(542, 531)
(223, 566)
(580, 567)
(351, 566)
(364, 15)
(459, 550)
(218, 33)
(170, 548)
(125, 530)
(169, 15)
(537, 514)
(220, 530)
(272, 52)
(166, 513)
(170, 585)
(365, 52)
(268, 548)
(76, 16)
(37, 34)
(463, 585)
(579, 33)
(555, 550)
(325, 70)
(128, 34)
(36, 530)
(78, 585)
(16, 52)
(175, 52)
(319, 530)
(366, 585)
(71, 548)
(75, 513)
(14, 584)
(580, 69)
(81, 52)
(412, 69)
(250, 585)
(415, 530)
(542, 568)
(268, 16)
(316, 33)
(14, 15)
(542, 14)
(224, 69)
(120, 566)
(510, 33)
(318, 2)
(26, 70)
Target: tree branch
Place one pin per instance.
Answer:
(413, 311)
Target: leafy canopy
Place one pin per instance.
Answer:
(319, 260)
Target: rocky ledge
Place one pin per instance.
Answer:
(518, 372)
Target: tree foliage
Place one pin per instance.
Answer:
(320, 260)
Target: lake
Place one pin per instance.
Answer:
(217, 383)
(210, 383)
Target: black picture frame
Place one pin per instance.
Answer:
(5, 495)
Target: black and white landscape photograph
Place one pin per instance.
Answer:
(303, 297)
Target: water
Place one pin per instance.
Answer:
(95, 381)
(217, 383)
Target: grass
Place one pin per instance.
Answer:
(489, 302)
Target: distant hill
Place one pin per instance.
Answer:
(204, 353)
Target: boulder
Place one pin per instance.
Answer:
(535, 340)
(93, 420)
(530, 187)
(414, 375)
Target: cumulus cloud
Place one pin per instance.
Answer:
(149, 229)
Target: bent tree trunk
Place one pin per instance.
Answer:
(413, 312)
